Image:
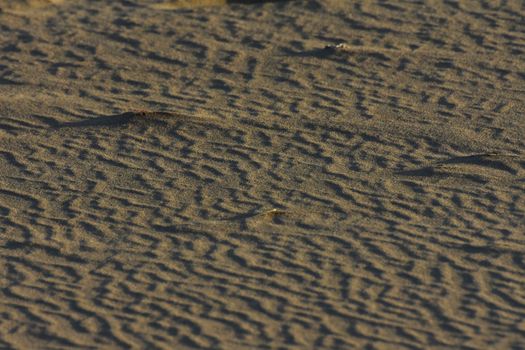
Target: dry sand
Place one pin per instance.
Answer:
(217, 175)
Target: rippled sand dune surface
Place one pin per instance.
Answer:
(316, 174)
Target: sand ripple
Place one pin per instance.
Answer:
(231, 178)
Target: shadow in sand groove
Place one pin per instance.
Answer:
(175, 4)
(485, 161)
(135, 118)
(111, 120)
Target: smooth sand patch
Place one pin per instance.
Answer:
(26, 5)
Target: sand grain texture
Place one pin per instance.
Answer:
(230, 177)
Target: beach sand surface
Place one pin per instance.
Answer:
(262, 175)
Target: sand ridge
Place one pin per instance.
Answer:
(317, 174)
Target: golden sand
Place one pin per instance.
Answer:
(318, 174)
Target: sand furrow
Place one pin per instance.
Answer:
(262, 174)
